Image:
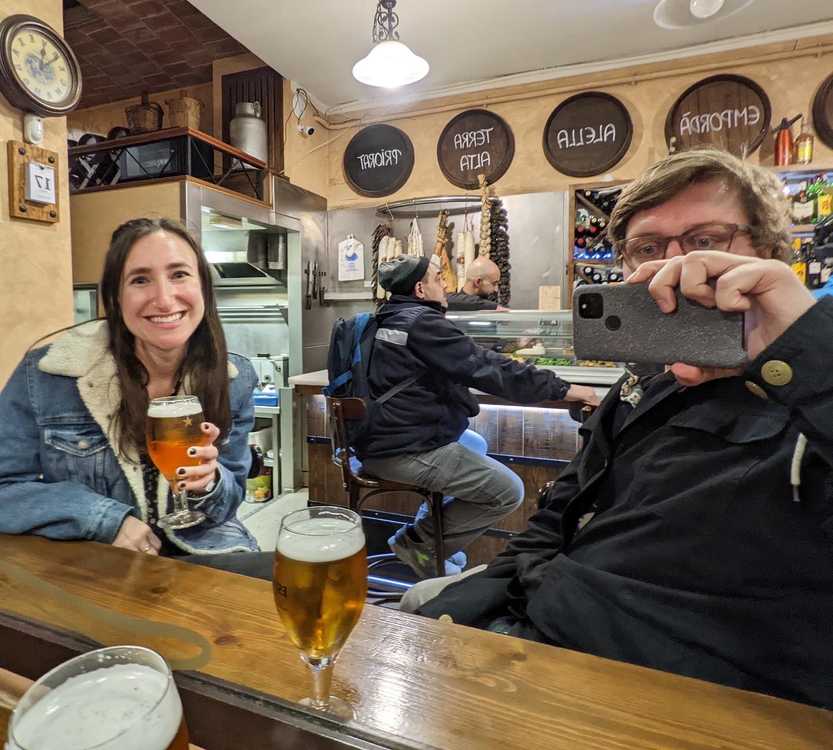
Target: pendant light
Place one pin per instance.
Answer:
(703, 9)
(390, 63)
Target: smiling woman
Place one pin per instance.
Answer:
(73, 456)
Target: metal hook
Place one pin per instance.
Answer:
(390, 213)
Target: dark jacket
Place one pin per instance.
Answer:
(415, 339)
(697, 560)
(460, 301)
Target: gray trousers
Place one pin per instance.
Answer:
(479, 490)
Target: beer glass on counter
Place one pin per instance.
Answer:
(320, 585)
(118, 698)
(173, 426)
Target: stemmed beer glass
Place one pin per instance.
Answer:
(117, 698)
(320, 585)
(173, 426)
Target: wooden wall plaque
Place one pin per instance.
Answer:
(728, 112)
(26, 202)
(378, 160)
(823, 112)
(587, 134)
(475, 142)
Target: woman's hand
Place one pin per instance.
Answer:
(137, 535)
(201, 478)
(767, 291)
(583, 393)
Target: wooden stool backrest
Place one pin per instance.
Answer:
(343, 410)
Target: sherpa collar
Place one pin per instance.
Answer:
(83, 353)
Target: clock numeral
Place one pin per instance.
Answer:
(63, 82)
(16, 52)
(62, 69)
(31, 38)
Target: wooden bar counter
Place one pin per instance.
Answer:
(413, 682)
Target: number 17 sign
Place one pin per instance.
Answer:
(40, 183)
(34, 191)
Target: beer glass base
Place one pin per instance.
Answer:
(182, 519)
(337, 707)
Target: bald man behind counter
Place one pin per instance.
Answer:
(482, 278)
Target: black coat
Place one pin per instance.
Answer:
(414, 338)
(697, 560)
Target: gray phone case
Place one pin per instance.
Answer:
(633, 329)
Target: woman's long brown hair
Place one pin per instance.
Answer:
(205, 364)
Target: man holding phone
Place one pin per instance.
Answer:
(693, 533)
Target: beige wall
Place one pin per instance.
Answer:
(100, 119)
(36, 280)
(788, 74)
(95, 216)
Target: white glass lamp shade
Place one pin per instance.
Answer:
(390, 64)
(705, 8)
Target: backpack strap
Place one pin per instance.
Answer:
(391, 392)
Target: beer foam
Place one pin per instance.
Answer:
(321, 540)
(107, 709)
(174, 409)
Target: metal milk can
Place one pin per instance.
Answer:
(247, 131)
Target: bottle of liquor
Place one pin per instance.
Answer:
(799, 265)
(813, 270)
(824, 200)
(804, 144)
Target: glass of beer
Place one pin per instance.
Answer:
(320, 585)
(119, 698)
(173, 426)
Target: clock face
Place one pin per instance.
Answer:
(38, 71)
(41, 66)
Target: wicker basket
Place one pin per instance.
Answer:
(184, 112)
(144, 117)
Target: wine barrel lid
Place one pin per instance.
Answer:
(475, 142)
(729, 112)
(823, 112)
(587, 134)
(378, 160)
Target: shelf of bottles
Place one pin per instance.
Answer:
(594, 260)
(810, 191)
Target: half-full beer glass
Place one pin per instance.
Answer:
(119, 698)
(320, 584)
(173, 426)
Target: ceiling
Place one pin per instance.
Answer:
(316, 42)
(127, 47)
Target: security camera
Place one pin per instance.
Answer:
(306, 130)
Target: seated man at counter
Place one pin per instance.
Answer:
(693, 533)
(414, 437)
(482, 278)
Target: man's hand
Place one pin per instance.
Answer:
(767, 291)
(583, 393)
(200, 478)
(137, 535)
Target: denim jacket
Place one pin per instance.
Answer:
(60, 472)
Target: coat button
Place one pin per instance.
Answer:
(755, 389)
(776, 372)
(83, 444)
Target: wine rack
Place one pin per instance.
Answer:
(592, 260)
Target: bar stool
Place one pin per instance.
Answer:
(360, 487)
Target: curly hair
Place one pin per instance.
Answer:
(759, 191)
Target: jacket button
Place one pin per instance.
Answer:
(776, 372)
(83, 444)
(755, 389)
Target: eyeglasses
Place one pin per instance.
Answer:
(718, 236)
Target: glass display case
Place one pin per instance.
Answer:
(542, 337)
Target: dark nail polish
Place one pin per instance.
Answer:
(192, 451)
(180, 472)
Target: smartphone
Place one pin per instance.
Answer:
(622, 323)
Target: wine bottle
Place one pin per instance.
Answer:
(804, 144)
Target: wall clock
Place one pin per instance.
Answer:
(38, 71)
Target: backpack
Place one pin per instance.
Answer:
(348, 363)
